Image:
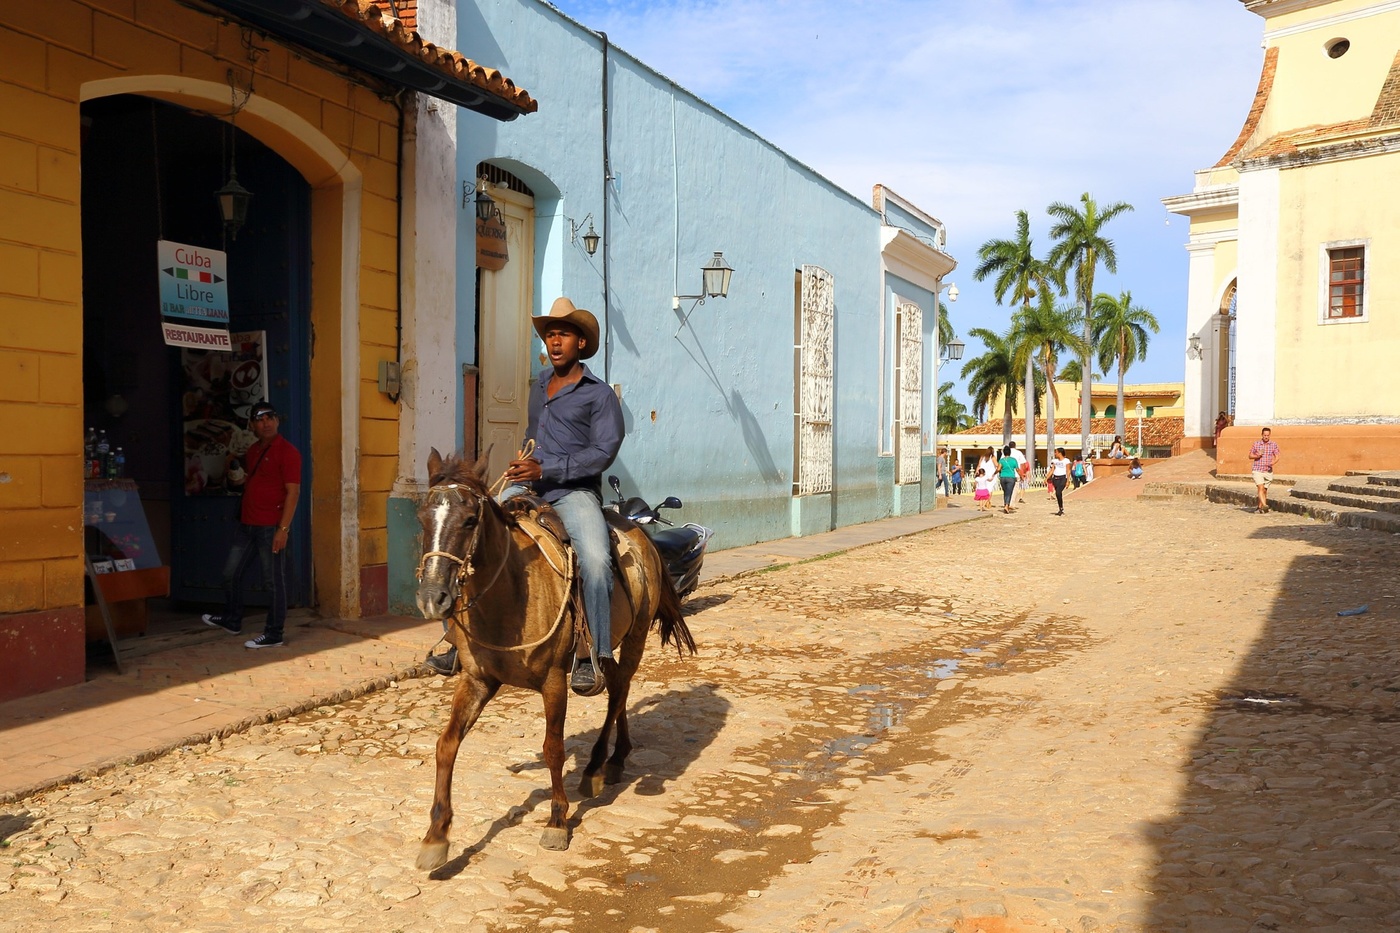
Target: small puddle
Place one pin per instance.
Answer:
(866, 688)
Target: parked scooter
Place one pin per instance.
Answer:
(682, 547)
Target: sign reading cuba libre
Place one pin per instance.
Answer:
(491, 252)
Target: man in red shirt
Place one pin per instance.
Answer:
(1263, 455)
(271, 481)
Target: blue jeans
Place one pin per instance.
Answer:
(582, 514)
(251, 541)
(1008, 490)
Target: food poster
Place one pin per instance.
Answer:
(219, 387)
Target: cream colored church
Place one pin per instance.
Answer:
(1293, 308)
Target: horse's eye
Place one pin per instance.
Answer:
(469, 521)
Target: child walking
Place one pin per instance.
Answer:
(982, 491)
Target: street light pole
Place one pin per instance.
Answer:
(952, 351)
(1139, 414)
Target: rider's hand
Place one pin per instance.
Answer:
(524, 471)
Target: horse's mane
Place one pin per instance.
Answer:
(456, 468)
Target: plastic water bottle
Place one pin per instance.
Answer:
(118, 464)
(104, 447)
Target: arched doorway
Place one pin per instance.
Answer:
(149, 170)
(1225, 389)
(505, 300)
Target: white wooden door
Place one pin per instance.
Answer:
(507, 301)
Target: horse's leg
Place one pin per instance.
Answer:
(556, 703)
(591, 784)
(623, 747)
(470, 698)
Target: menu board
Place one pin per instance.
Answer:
(219, 387)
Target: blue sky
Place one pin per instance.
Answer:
(975, 108)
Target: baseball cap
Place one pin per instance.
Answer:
(260, 409)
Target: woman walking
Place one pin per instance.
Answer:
(1008, 468)
(1059, 475)
(989, 462)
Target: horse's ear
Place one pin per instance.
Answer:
(434, 463)
(483, 464)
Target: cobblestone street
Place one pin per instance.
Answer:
(1142, 716)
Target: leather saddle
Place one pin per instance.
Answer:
(538, 519)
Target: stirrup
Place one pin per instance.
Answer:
(600, 681)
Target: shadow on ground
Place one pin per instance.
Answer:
(1290, 816)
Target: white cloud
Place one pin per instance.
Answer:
(975, 108)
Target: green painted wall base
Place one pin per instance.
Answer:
(811, 515)
(405, 547)
(908, 499)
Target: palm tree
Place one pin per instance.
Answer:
(1019, 277)
(1120, 333)
(1043, 331)
(952, 414)
(1080, 247)
(990, 373)
(946, 334)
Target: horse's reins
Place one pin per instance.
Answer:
(465, 568)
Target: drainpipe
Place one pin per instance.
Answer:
(398, 254)
(607, 232)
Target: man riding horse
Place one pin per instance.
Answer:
(576, 428)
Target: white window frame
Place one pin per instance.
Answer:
(815, 365)
(1324, 281)
(907, 428)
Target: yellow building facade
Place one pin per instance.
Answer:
(1292, 318)
(1159, 400)
(118, 120)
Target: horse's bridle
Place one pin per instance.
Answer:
(464, 563)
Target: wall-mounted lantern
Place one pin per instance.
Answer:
(590, 238)
(233, 203)
(1193, 348)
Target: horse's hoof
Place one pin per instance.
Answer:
(591, 785)
(612, 774)
(432, 855)
(554, 838)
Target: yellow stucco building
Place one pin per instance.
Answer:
(1159, 400)
(1291, 319)
(119, 120)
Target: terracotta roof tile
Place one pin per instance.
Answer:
(1156, 432)
(378, 16)
(1256, 109)
(1289, 142)
(1387, 109)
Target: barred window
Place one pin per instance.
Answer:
(1345, 282)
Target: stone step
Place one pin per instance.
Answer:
(1377, 503)
(1385, 478)
(1355, 487)
(1245, 495)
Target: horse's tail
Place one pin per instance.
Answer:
(668, 613)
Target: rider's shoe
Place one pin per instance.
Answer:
(585, 679)
(444, 664)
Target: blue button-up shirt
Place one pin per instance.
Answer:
(577, 434)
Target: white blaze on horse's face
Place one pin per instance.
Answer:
(440, 523)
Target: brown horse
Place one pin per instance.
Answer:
(507, 590)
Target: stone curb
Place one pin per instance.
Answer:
(243, 725)
(1343, 515)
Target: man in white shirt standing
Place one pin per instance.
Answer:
(1022, 474)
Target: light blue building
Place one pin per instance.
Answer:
(802, 401)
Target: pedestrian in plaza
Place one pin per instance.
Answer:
(989, 461)
(1076, 471)
(270, 478)
(982, 490)
(1135, 469)
(956, 475)
(1222, 422)
(1059, 475)
(1008, 471)
(942, 481)
(1116, 451)
(1088, 469)
(1023, 472)
(1263, 455)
